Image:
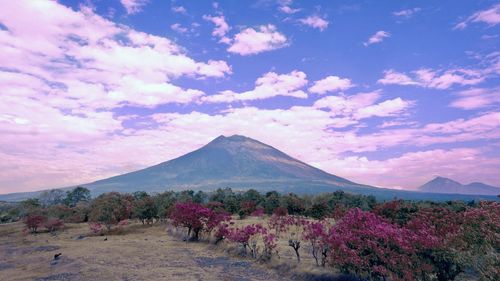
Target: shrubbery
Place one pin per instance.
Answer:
(395, 240)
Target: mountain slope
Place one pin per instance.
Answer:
(445, 185)
(235, 161)
(241, 163)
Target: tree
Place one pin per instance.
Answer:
(79, 194)
(318, 210)
(52, 197)
(139, 195)
(34, 221)
(145, 209)
(192, 216)
(164, 202)
(271, 202)
(365, 244)
(111, 208)
(294, 204)
(200, 197)
(53, 224)
(252, 195)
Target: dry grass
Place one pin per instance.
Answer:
(138, 253)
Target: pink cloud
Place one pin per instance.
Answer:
(330, 84)
(378, 37)
(490, 16)
(269, 85)
(315, 22)
(133, 6)
(436, 79)
(477, 98)
(221, 27)
(288, 10)
(179, 9)
(362, 106)
(177, 27)
(253, 41)
(407, 12)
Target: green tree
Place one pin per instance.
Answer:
(271, 202)
(111, 208)
(79, 194)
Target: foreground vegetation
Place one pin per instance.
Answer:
(338, 232)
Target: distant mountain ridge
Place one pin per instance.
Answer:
(445, 185)
(240, 163)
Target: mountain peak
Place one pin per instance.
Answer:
(445, 185)
(444, 180)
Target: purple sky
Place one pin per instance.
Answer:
(383, 94)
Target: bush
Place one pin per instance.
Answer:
(111, 208)
(34, 221)
(367, 245)
(192, 216)
(53, 224)
(145, 209)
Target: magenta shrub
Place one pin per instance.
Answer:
(53, 224)
(34, 221)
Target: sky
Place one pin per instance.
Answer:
(385, 93)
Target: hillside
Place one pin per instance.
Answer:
(241, 163)
(445, 185)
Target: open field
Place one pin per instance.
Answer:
(140, 253)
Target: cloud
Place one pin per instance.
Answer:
(330, 84)
(490, 16)
(378, 37)
(407, 12)
(177, 27)
(435, 79)
(476, 98)
(288, 10)
(393, 77)
(315, 22)
(412, 169)
(362, 106)
(267, 86)
(253, 41)
(221, 27)
(133, 6)
(179, 10)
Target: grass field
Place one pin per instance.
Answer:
(137, 253)
(140, 253)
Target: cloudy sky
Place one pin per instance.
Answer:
(384, 94)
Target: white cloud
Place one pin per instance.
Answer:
(378, 37)
(362, 106)
(177, 27)
(269, 85)
(490, 16)
(133, 6)
(288, 10)
(253, 41)
(179, 10)
(393, 77)
(221, 27)
(433, 78)
(315, 22)
(407, 12)
(476, 98)
(330, 84)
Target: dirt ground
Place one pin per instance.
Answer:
(141, 253)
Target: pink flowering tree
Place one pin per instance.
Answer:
(316, 233)
(292, 225)
(192, 216)
(243, 236)
(34, 221)
(368, 246)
